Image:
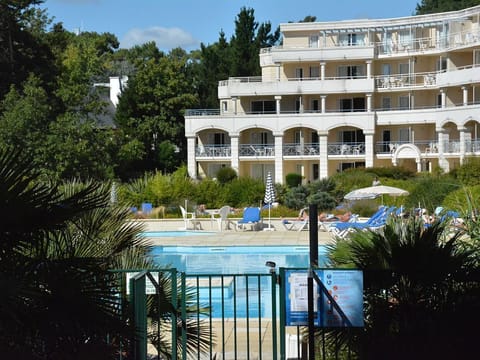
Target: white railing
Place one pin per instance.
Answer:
(213, 151)
(388, 46)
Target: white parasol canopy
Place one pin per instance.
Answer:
(373, 192)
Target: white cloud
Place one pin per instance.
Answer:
(165, 38)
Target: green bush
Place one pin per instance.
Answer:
(296, 197)
(243, 191)
(226, 174)
(323, 200)
(293, 180)
(430, 192)
(468, 173)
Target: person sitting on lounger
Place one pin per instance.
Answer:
(329, 217)
(302, 216)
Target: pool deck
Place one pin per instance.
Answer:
(279, 236)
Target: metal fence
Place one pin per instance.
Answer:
(216, 317)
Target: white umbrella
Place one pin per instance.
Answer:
(269, 196)
(373, 192)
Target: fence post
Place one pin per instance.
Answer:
(139, 304)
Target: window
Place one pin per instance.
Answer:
(224, 106)
(298, 137)
(351, 71)
(405, 39)
(299, 73)
(315, 72)
(315, 105)
(263, 106)
(404, 102)
(313, 41)
(441, 64)
(386, 138)
(476, 57)
(404, 135)
(345, 166)
(219, 139)
(386, 69)
(439, 100)
(350, 39)
(264, 138)
(351, 136)
(386, 103)
(403, 68)
(355, 104)
(315, 172)
(260, 171)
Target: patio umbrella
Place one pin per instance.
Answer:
(373, 192)
(269, 196)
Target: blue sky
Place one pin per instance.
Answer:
(187, 23)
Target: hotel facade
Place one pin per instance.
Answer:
(356, 93)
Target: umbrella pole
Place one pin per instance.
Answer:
(269, 228)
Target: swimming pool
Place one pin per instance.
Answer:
(175, 233)
(232, 259)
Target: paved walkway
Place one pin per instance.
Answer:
(280, 236)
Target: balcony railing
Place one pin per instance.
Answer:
(346, 148)
(389, 46)
(337, 149)
(429, 146)
(213, 151)
(256, 150)
(301, 150)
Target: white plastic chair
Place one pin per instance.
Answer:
(189, 219)
(223, 212)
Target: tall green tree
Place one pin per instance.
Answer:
(249, 38)
(25, 116)
(22, 50)
(213, 65)
(150, 112)
(436, 6)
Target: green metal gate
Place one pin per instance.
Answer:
(218, 316)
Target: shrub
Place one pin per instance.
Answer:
(430, 192)
(467, 174)
(243, 191)
(296, 197)
(293, 180)
(226, 174)
(323, 185)
(323, 200)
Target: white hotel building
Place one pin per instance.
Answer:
(355, 93)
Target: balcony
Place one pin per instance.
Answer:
(429, 147)
(213, 151)
(346, 148)
(387, 47)
(256, 150)
(307, 149)
(237, 87)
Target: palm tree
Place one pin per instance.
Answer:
(419, 287)
(58, 246)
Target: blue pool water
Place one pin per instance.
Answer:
(249, 292)
(179, 233)
(232, 259)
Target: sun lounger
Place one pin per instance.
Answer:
(251, 216)
(377, 220)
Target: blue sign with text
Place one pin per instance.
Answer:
(338, 298)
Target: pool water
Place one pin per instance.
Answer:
(176, 233)
(245, 291)
(232, 259)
